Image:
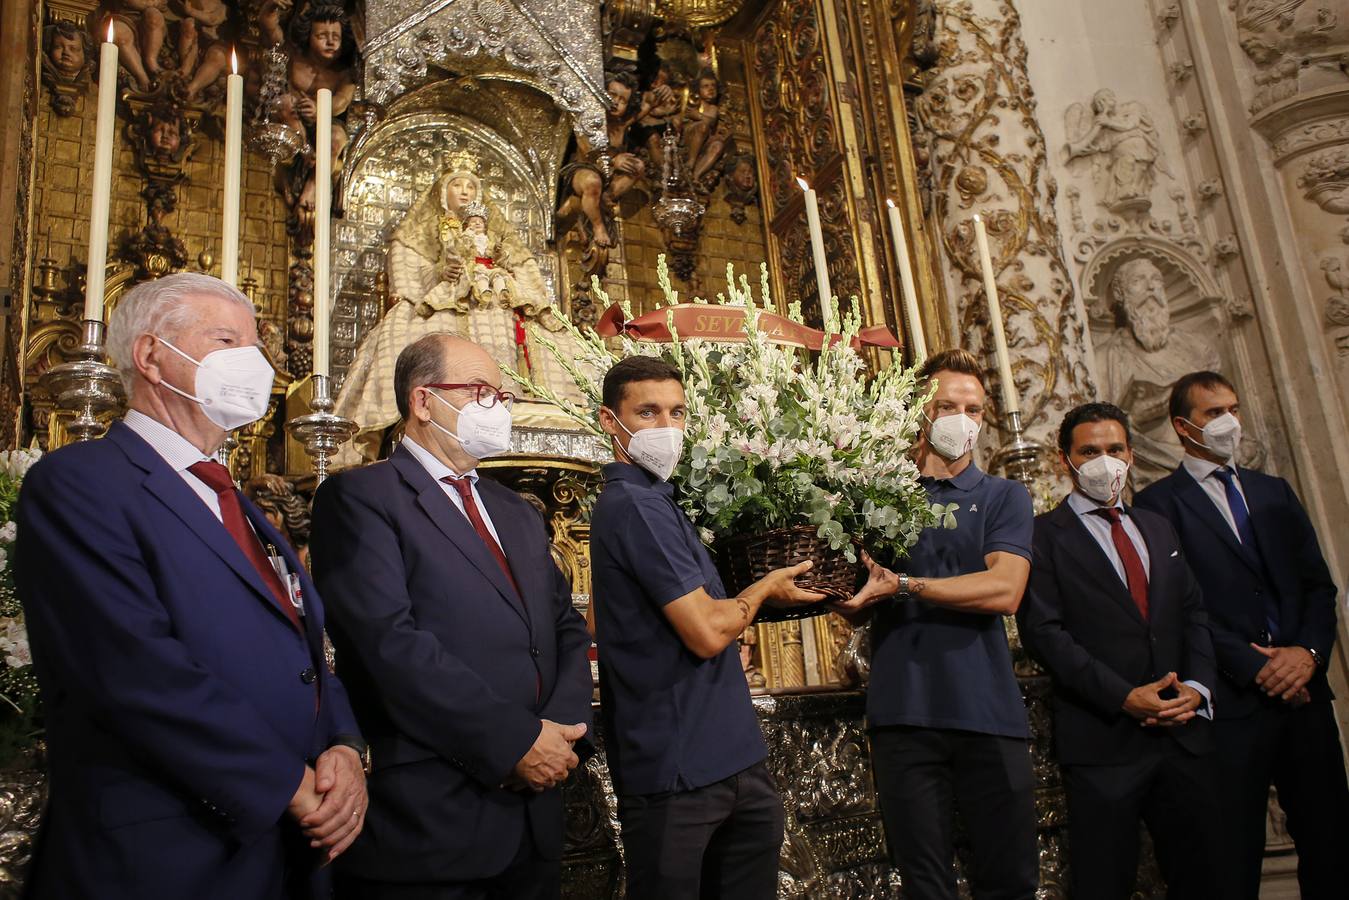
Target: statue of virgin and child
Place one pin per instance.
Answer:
(455, 264)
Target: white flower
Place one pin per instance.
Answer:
(14, 643)
(8, 532)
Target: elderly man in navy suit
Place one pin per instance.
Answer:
(454, 629)
(1116, 616)
(193, 730)
(1271, 607)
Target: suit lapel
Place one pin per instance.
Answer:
(454, 525)
(170, 489)
(1087, 554)
(1158, 549)
(1189, 492)
(513, 541)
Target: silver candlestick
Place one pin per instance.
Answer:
(1019, 458)
(86, 388)
(321, 432)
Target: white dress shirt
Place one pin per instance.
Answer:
(439, 470)
(177, 451)
(1098, 527)
(1203, 472)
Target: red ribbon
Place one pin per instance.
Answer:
(727, 323)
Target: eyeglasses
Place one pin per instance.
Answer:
(483, 394)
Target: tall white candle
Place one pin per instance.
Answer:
(1010, 401)
(817, 248)
(104, 135)
(919, 343)
(234, 126)
(323, 207)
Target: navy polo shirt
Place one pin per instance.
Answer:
(673, 721)
(938, 668)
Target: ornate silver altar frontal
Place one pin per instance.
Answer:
(556, 46)
(395, 166)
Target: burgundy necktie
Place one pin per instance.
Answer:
(465, 488)
(217, 478)
(1134, 572)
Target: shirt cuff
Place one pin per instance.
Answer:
(1206, 708)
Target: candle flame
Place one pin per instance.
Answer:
(890, 203)
(802, 182)
(110, 29)
(234, 61)
(976, 218)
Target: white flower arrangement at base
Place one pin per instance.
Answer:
(777, 436)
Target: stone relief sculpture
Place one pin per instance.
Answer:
(1281, 37)
(1121, 140)
(1144, 355)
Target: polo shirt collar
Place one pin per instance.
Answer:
(434, 467)
(968, 479)
(636, 475)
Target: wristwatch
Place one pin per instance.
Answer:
(903, 592)
(1316, 657)
(361, 747)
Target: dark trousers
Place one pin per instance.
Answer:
(528, 877)
(719, 842)
(1298, 751)
(923, 775)
(1174, 793)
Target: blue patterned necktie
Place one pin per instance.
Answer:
(1241, 517)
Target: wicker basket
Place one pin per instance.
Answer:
(744, 559)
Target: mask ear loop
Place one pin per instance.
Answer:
(165, 382)
(436, 424)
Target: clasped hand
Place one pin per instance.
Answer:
(1286, 673)
(331, 801)
(1145, 703)
(550, 760)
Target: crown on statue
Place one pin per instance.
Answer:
(476, 208)
(462, 162)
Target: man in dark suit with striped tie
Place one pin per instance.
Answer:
(1116, 616)
(1271, 606)
(467, 665)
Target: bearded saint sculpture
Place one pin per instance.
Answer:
(1143, 357)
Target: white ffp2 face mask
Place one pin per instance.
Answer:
(483, 430)
(657, 450)
(233, 385)
(1102, 478)
(952, 436)
(1222, 436)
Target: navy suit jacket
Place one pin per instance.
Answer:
(1236, 584)
(179, 699)
(1080, 621)
(449, 676)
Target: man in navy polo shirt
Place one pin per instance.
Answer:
(948, 725)
(700, 814)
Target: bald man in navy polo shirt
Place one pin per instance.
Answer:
(948, 725)
(700, 813)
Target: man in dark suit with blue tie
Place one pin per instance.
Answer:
(1271, 606)
(1116, 616)
(193, 730)
(454, 630)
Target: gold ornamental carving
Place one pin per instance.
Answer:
(989, 157)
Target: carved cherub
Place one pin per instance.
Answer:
(705, 131)
(65, 63)
(322, 51)
(138, 38)
(200, 23)
(586, 178)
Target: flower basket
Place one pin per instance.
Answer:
(744, 559)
